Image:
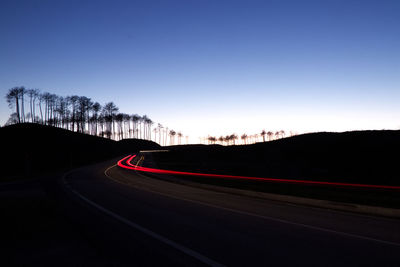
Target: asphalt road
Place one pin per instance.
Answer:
(137, 220)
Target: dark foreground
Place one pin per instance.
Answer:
(104, 215)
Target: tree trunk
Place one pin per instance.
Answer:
(17, 109)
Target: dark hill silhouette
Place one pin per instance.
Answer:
(357, 156)
(29, 149)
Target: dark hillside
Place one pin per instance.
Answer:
(29, 149)
(358, 156)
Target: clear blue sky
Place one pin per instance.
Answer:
(213, 67)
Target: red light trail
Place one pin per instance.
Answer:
(128, 165)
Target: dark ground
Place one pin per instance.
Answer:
(29, 150)
(35, 231)
(41, 224)
(369, 157)
(365, 157)
(230, 229)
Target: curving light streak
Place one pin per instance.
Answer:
(129, 165)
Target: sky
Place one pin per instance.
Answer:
(213, 67)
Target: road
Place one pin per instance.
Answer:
(146, 221)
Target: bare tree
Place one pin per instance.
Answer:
(160, 127)
(212, 140)
(101, 122)
(13, 119)
(233, 137)
(84, 107)
(62, 111)
(119, 118)
(221, 140)
(155, 131)
(46, 98)
(135, 120)
(127, 125)
(41, 99)
(79, 113)
(95, 116)
(22, 92)
(172, 134)
(166, 135)
(282, 133)
(180, 138)
(244, 138)
(32, 93)
(12, 98)
(140, 123)
(36, 94)
(149, 123)
(263, 133)
(227, 139)
(277, 134)
(270, 135)
(73, 102)
(110, 109)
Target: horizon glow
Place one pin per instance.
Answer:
(213, 67)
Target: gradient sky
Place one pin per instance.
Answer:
(213, 67)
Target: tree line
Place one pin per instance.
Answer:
(81, 114)
(245, 139)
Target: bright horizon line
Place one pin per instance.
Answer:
(199, 126)
(239, 141)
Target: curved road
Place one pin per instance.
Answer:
(146, 221)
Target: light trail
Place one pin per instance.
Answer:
(129, 165)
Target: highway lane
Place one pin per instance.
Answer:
(161, 222)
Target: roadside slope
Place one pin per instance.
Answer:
(368, 157)
(30, 149)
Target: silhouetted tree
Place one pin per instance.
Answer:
(121, 119)
(155, 131)
(13, 119)
(95, 116)
(46, 99)
(221, 140)
(160, 128)
(277, 133)
(110, 109)
(166, 135)
(255, 136)
(33, 94)
(135, 120)
(127, 124)
(84, 107)
(212, 139)
(13, 98)
(79, 113)
(62, 111)
(101, 122)
(180, 138)
(149, 123)
(263, 133)
(22, 92)
(227, 138)
(41, 99)
(172, 134)
(244, 138)
(270, 135)
(234, 137)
